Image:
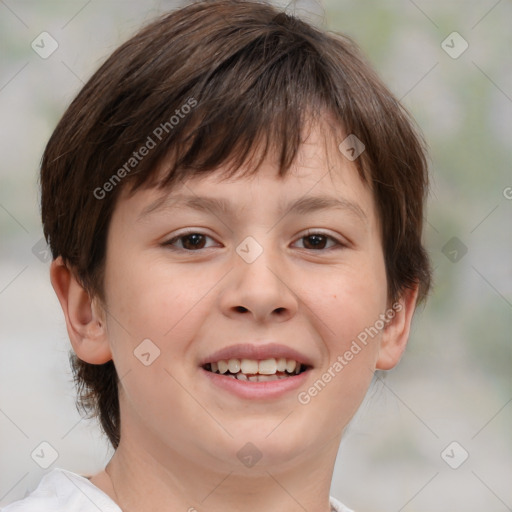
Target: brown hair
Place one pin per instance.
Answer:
(251, 76)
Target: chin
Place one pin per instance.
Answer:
(274, 445)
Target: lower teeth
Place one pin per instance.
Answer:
(260, 377)
(256, 378)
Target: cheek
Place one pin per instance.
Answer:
(354, 305)
(147, 301)
(148, 298)
(349, 301)
(352, 346)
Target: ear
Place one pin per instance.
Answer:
(85, 318)
(396, 332)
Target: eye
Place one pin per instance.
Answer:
(190, 241)
(318, 240)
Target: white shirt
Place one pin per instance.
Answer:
(63, 491)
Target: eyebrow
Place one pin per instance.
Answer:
(302, 206)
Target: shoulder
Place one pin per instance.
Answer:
(337, 506)
(63, 491)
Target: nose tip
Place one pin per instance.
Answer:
(259, 290)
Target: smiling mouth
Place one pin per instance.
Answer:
(253, 370)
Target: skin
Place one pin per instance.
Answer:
(180, 434)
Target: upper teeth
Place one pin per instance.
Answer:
(253, 366)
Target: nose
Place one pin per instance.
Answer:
(261, 289)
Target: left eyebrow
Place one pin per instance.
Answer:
(302, 206)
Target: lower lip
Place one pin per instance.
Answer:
(255, 390)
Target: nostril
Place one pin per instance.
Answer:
(241, 309)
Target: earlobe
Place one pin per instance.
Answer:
(85, 319)
(396, 333)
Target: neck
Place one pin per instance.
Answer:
(151, 478)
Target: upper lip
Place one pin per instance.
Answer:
(259, 352)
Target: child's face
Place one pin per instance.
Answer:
(193, 303)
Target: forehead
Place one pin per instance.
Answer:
(320, 177)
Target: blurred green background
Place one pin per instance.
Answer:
(454, 382)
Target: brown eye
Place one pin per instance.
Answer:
(188, 241)
(315, 241)
(318, 241)
(193, 241)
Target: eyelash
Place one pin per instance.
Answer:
(169, 243)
